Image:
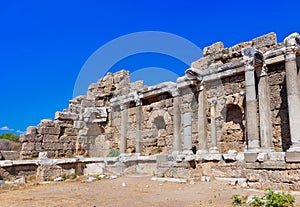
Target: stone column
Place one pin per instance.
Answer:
(202, 121)
(251, 100)
(187, 133)
(214, 138)
(177, 124)
(124, 126)
(265, 112)
(293, 93)
(138, 144)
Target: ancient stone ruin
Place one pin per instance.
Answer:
(233, 114)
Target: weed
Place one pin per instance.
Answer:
(113, 153)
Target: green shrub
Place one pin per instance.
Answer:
(10, 136)
(159, 150)
(238, 200)
(270, 199)
(113, 153)
(257, 202)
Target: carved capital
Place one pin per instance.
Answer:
(193, 74)
(290, 53)
(251, 56)
(292, 40)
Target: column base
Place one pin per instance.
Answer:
(292, 156)
(187, 152)
(294, 149)
(267, 149)
(213, 150)
(200, 152)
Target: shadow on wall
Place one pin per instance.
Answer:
(284, 117)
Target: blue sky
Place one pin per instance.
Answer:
(44, 44)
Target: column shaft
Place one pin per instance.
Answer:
(202, 122)
(293, 99)
(214, 138)
(187, 131)
(124, 126)
(265, 113)
(138, 144)
(177, 124)
(251, 111)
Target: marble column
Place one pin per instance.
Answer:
(214, 138)
(124, 127)
(251, 100)
(138, 141)
(177, 124)
(187, 132)
(293, 96)
(265, 112)
(202, 121)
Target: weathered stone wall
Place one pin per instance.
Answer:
(279, 107)
(229, 94)
(55, 137)
(157, 132)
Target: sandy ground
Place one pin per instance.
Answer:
(139, 191)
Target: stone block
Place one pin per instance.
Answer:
(10, 155)
(292, 156)
(50, 138)
(162, 158)
(211, 157)
(28, 137)
(28, 146)
(94, 169)
(79, 124)
(31, 130)
(250, 156)
(66, 116)
(214, 48)
(229, 157)
(70, 132)
(265, 40)
(49, 130)
(46, 123)
(43, 155)
(276, 156)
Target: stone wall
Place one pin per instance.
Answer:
(279, 108)
(230, 99)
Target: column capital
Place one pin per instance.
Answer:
(292, 40)
(251, 57)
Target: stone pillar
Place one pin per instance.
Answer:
(124, 126)
(251, 100)
(202, 121)
(187, 132)
(138, 143)
(265, 112)
(214, 138)
(293, 91)
(177, 124)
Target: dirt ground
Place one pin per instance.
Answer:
(138, 191)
